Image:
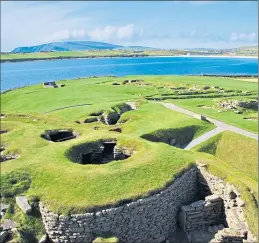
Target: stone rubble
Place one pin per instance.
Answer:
(234, 104)
(228, 235)
(8, 224)
(233, 205)
(23, 204)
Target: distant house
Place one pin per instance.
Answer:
(50, 85)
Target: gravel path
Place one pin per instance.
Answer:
(132, 104)
(204, 137)
(221, 126)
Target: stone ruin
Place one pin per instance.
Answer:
(108, 117)
(5, 157)
(234, 104)
(118, 129)
(131, 81)
(154, 218)
(59, 135)
(202, 214)
(52, 84)
(101, 152)
(220, 212)
(177, 137)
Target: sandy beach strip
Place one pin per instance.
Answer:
(213, 56)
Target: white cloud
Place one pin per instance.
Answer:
(119, 33)
(108, 33)
(35, 22)
(241, 37)
(76, 34)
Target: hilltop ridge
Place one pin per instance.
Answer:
(74, 46)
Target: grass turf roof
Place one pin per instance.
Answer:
(69, 187)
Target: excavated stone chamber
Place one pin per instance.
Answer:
(155, 218)
(59, 135)
(100, 152)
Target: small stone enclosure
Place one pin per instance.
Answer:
(59, 135)
(151, 219)
(98, 152)
(177, 137)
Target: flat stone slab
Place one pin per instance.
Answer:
(23, 204)
(3, 236)
(213, 198)
(8, 224)
(3, 207)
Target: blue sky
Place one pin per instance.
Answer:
(162, 24)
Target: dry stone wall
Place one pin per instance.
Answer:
(233, 207)
(201, 214)
(152, 219)
(146, 220)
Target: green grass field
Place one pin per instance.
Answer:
(112, 181)
(44, 172)
(86, 54)
(87, 91)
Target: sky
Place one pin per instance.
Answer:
(160, 24)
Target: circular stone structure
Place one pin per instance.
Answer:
(98, 152)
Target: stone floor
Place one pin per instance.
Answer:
(194, 237)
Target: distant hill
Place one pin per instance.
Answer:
(246, 50)
(74, 46)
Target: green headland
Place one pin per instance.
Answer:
(43, 170)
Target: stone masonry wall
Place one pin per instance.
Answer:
(233, 206)
(201, 214)
(146, 220)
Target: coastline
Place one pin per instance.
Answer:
(214, 56)
(123, 56)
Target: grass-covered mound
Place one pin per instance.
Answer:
(69, 187)
(175, 137)
(238, 151)
(236, 162)
(87, 95)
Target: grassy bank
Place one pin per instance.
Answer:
(236, 163)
